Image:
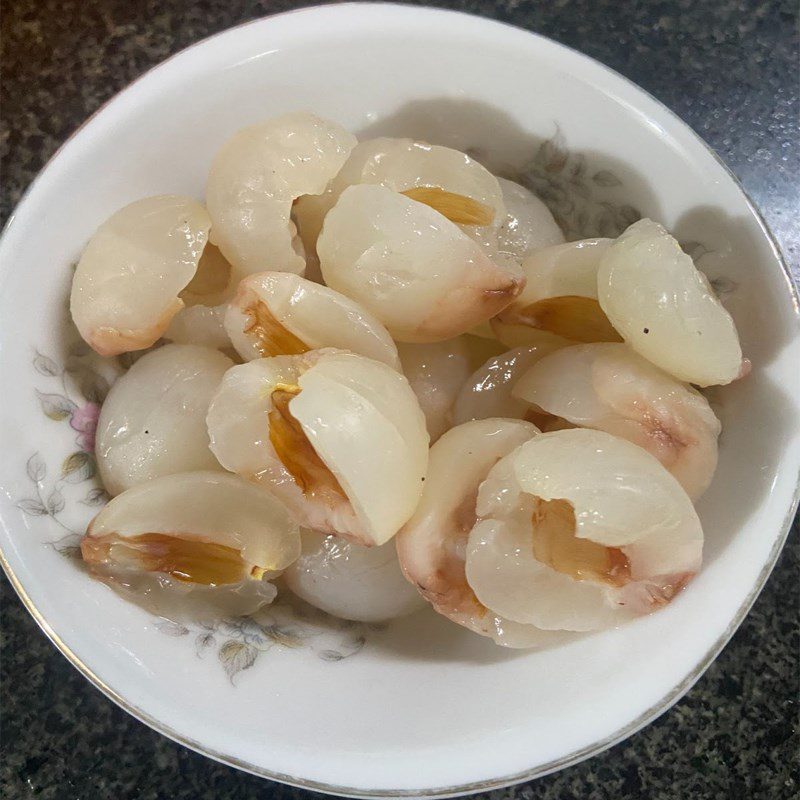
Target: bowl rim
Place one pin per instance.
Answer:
(570, 759)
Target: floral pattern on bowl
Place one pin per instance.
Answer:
(576, 193)
(72, 395)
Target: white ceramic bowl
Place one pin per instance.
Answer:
(422, 707)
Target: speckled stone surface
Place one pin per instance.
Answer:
(729, 68)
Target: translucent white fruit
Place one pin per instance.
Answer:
(611, 388)
(558, 304)
(351, 581)
(436, 372)
(416, 271)
(448, 180)
(205, 299)
(255, 177)
(431, 547)
(403, 165)
(193, 544)
(665, 308)
(277, 313)
(153, 421)
(564, 270)
(579, 530)
(338, 437)
(126, 285)
(528, 224)
(202, 325)
(487, 391)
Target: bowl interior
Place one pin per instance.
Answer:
(420, 706)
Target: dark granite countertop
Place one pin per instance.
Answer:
(730, 69)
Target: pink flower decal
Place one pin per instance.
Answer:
(84, 420)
